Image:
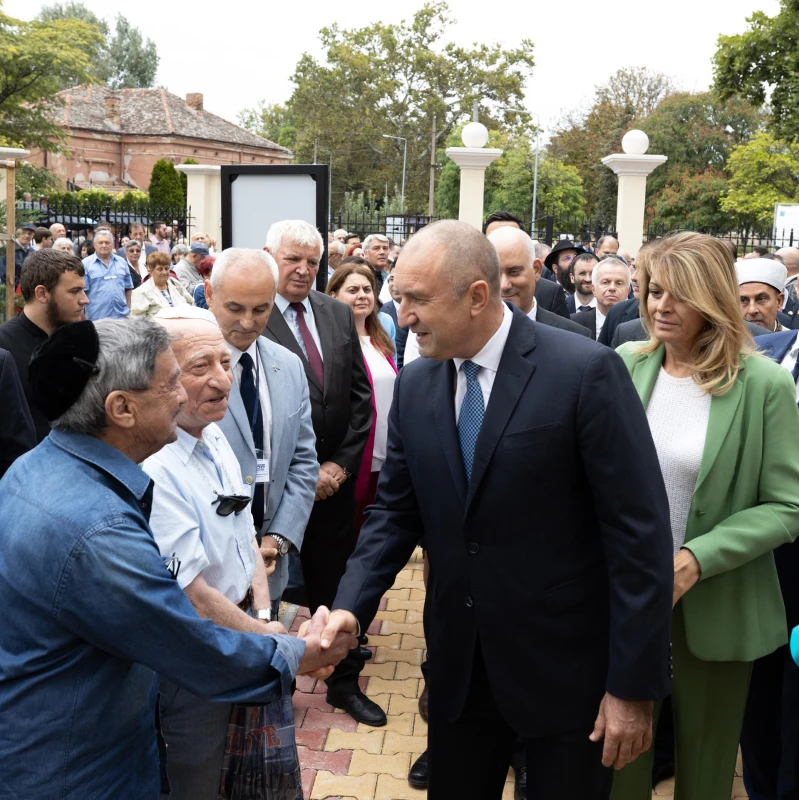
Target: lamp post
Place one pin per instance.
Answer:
(404, 162)
(329, 185)
(535, 167)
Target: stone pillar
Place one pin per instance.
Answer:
(204, 197)
(473, 160)
(8, 163)
(632, 167)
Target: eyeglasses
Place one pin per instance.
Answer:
(566, 259)
(230, 504)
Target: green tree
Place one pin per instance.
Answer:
(37, 181)
(36, 59)
(762, 65)
(273, 121)
(392, 79)
(762, 172)
(166, 190)
(691, 200)
(122, 57)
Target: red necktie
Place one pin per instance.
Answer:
(311, 350)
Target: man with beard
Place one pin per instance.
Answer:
(611, 283)
(53, 288)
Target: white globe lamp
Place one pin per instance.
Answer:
(475, 134)
(635, 143)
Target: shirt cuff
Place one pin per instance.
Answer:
(289, 650)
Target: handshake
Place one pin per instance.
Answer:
(328, 638)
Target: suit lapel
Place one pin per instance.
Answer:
(512, 377)
(442, 384)
(324, 324)
(279, 328)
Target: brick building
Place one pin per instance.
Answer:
(116, 135)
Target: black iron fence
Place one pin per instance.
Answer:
(395, 226)
(745, 238)
(80, 217)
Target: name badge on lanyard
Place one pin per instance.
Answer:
(262, 467)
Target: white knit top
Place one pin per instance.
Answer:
(678, 412)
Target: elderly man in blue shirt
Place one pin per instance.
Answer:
(88, 625)
(108, 281)
(196, 518)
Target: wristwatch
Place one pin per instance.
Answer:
(283, 544)
(264, 614)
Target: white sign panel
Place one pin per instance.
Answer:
(786, 219)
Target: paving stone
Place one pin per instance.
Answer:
(410, 642)
(370, 742)
(419, 726)
(390, 788)
(365, 763)
(400, 594)
(507, 792)
(382, 604)
(392, 642)
(414, 586)
(397, 743)
(664, 788)
(327, 784)
(308, 776)
(320, 688)
(316, 718)
(403, 705)
(395, 604)
(390, 627)
(415, 594)
(394, 616)
(382, 670)
(412, 615)
(404, 575)
(306, 700)
(400, 723)
(338, 762)
(375, 627)
(384, 654)
(312, 739)
(738, 788)
(406, 670)
(305, 684)
(299, 716)
(408, 687)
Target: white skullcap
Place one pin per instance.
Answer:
(762, 270)
(185, 311)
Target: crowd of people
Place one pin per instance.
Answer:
(596, 452)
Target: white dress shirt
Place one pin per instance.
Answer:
(411, 349)
(533, 312)
(487, 359)
(383, 377)
(263, 396)
(789, 362)
(600, 322)
(578, 303)
(187, 473)
(290, 315)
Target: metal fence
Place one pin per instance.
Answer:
(79, 217)
(745, 238)
(395, 226)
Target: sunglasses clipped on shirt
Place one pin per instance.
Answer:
(230, 504)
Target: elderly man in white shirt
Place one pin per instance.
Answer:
(203, 527)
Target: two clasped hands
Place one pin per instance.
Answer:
(324, 647)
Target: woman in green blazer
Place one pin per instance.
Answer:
(726, 427)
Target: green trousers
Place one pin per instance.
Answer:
(708, 700)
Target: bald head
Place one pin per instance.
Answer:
(790, 257)
(463, 256)
(512, 240)
(519, 270)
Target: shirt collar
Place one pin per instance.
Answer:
(186, 444)
(106, 458)
(236, 354)
(491, 354)
(94, 257)
(533, 313)
(283, 304)
(30, 325)
(600, 317)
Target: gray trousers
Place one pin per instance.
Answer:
(195, 732)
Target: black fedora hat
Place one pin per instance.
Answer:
(563, 244)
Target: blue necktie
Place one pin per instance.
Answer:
(252, 405)
(471, 417)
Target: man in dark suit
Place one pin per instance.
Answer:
(321, 331)
(137, 234)
(17, 434)
(392, 309)
(53, 288)
(620, 313)
(548, 619)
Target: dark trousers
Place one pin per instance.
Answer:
(770, 735)
(566, 767)
(328, 543)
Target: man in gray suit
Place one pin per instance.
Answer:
(268, 422)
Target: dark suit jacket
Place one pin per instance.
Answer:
(572, 308)
(567, 599)
(587, 319)
(548, 274)
(400, 334)
(342, 413)
(545, 317)
(549, 295)
(135, 277)
(634, 331)
(621, 312)
(17, 434)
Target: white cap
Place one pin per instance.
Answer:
(186, 311)
(762, 270)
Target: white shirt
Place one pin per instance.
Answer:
(383, 377)
(290, 315)
(487, 359)
(600, 322)
(678, 412)
(411, 349)
(187, 473)
(533, 313)
(577, 303)
(789, 362)
(263, 395)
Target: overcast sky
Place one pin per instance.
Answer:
(238, 53)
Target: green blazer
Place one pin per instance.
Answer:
(745, 504)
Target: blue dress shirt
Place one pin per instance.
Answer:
(91, 613)
(105, 287)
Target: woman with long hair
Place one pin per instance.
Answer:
(354, 284)
(726, 428)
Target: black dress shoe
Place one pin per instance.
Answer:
(520, 791)
(417, 777)
(359, 707)
(423, 703)
(365, 652)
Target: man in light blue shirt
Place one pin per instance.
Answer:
(108, 282)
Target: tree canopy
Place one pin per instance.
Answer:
(121, 57)
(166, 188)
(762, 66)
(391, 79)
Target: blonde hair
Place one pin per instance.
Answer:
(699, 271)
